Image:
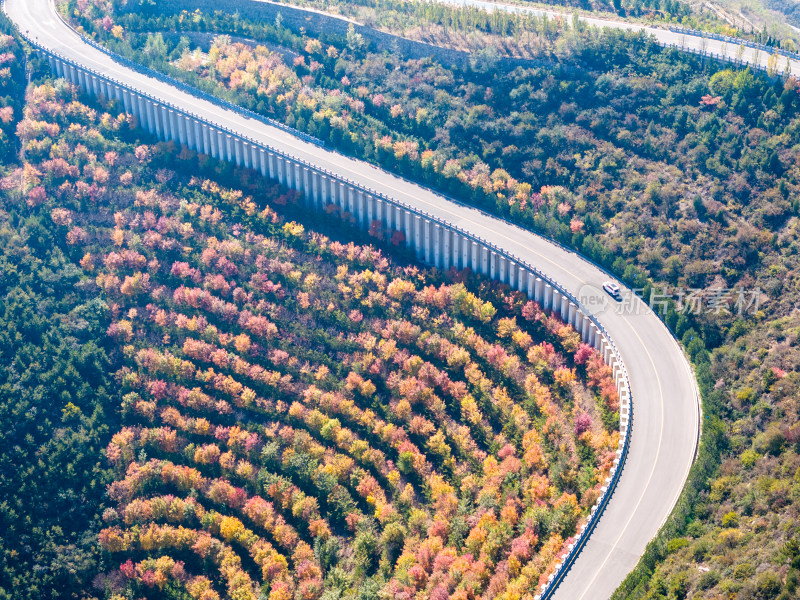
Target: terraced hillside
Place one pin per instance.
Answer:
(302, 413)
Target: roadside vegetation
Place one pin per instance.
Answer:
(12, 86)
(769, 22)
(249, 406)
(57, 402)
(764, 22)
(670, 171)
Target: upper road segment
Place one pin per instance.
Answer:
(666, 426)
(693, 43)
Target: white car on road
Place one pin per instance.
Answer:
(612, 289)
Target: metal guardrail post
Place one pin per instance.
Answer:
(748, 43)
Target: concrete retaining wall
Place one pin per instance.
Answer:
(321, 24)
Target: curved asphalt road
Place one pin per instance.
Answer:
(666, 411)
(665, 37)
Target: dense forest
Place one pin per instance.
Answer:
(57, 404)
(11, 88)
(229, 402)
(672, 171)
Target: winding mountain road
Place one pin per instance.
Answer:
(693, 43)
(666, 409)
(756, 57)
